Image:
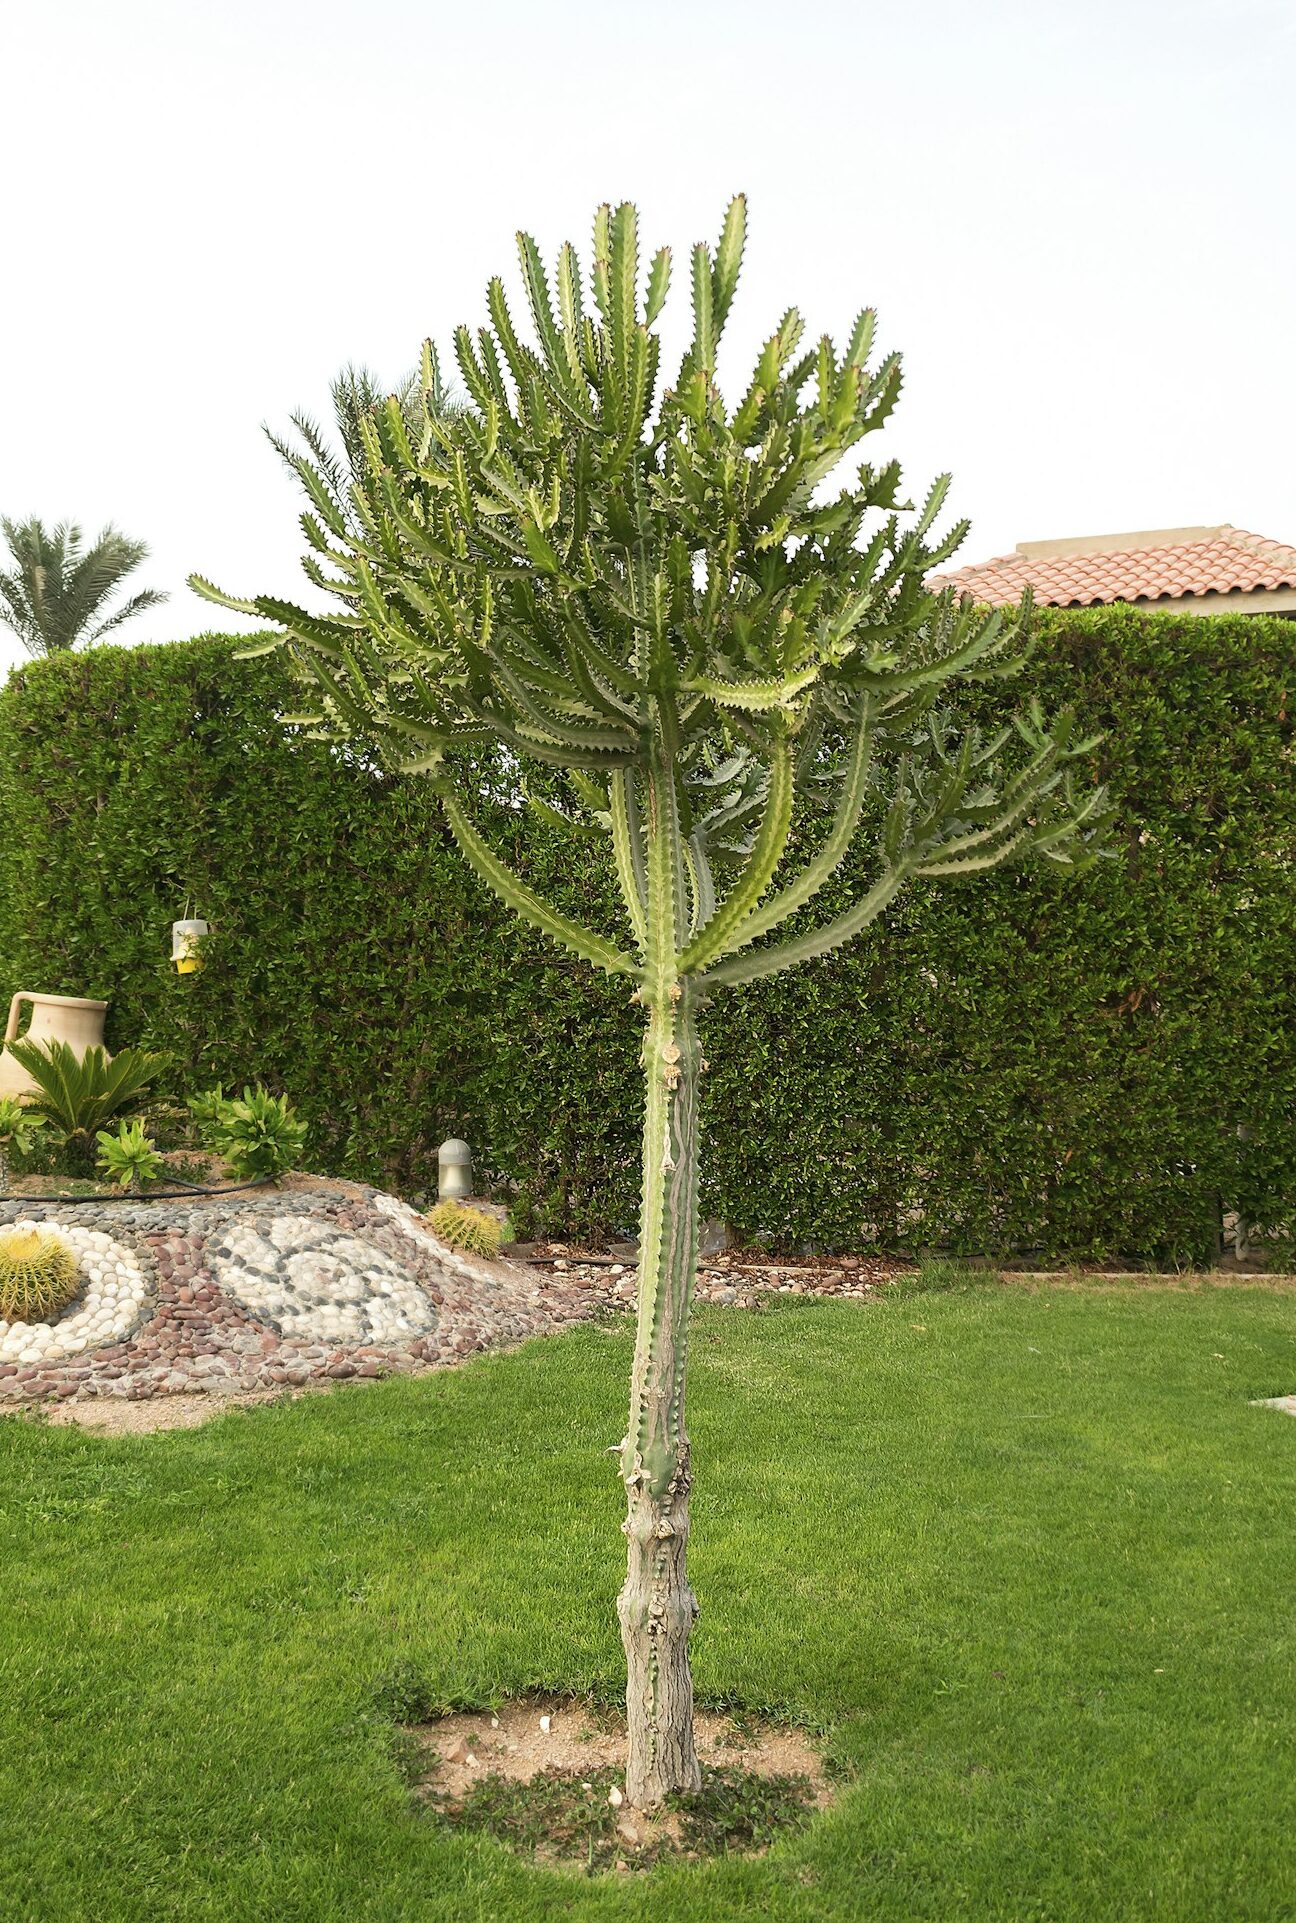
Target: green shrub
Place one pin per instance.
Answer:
(39, 1274)
(171, 1124)
(468, 1229)
(17, 1131)
(207, 1108)
(187, 1171)
(258, 1134)
(1015, 1066)
(129, 1157)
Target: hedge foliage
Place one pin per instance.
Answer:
(1010, 1064)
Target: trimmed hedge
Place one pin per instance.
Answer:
(1009, 1064)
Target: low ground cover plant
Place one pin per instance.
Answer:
(562, 1818)
(56, 1131)
(1038, 1605)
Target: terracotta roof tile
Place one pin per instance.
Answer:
(1231, 561)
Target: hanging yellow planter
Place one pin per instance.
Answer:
(186, 945)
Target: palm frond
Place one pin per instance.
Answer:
(58, 587)
(79, 1093)
(146, 598)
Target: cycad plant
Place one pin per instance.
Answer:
(55, 594)
(735, 670)
(78, 1093)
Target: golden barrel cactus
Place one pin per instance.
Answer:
(471, 1230)
(38, 1274)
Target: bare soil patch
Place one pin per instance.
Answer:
(547, 1775)
(116, 1416)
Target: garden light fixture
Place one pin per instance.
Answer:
(454, 1170)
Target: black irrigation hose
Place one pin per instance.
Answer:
(155, 1195)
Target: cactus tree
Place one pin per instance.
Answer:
(734, 671)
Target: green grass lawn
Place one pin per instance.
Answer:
(1028, 1557)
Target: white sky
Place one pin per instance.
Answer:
(1075, 217)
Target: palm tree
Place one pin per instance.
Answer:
(56, 589)
(357, 394)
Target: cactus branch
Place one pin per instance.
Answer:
(524, 901)
(820, 941)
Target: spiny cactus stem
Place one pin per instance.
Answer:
(657, 1606)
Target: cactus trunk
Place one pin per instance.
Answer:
(657, 1606)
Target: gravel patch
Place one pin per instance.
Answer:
(739, 1278)
(245, 1294)
(197, 1302)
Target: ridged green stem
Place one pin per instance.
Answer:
(668, 1239)
(657, 1606)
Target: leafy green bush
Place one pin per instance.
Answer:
(1012, 1067)
(170, 1123)
(18, 1127)
(39, 1274)
(187, 1171)
(207, 1109)
(468, 1229)
(258, 1134)
(129, 1157)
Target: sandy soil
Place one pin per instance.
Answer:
(117, 1416)
(535, 1733)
